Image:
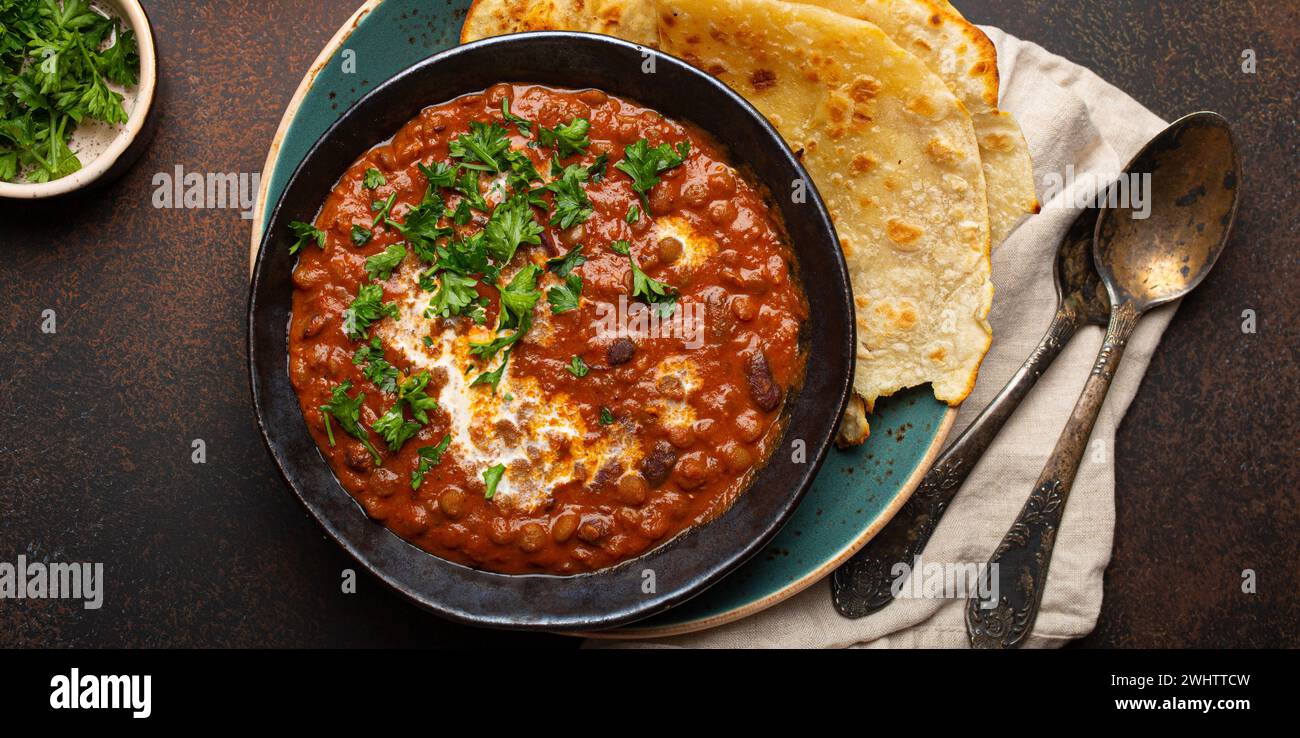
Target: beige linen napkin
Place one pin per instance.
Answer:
(1070, 117)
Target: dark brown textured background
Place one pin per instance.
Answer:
(96, 421)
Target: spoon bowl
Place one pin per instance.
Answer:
(1153, 247)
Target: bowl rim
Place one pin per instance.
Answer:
(134, 14)
(834, 401)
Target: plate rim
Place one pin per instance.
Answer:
(909, 486)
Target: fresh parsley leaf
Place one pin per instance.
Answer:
(492, 477)
(381, 265)
(439, 174)
(462, 216)
(597, 169)
(522, 171)
(633, 213)
(305, 233)
(566, 296)
(568, 138)
(654, 292)
(511, 224)
(412, 393)
(430, 456)
(571, 203)
(377, 369)
(644, 163)
(468, 257)
(368, 307)
(520, 296)
(606, 417)
(490, 349)
(374, 179)
(467, 186)
(360, 236)
(347, 411)
(561, 266)
(394, 428)
(455, 294)
(577, 367)
(525, 126)
(382, 208)
(493, 378)
(486, 143)
(421, 228)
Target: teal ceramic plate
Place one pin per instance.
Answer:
(857, 491)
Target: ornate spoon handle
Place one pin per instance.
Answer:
(1023, 557)
(864, 584)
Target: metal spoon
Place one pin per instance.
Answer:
(863, 584)
(1144, 262)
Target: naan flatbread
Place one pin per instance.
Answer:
(894, 156)
(959, 52)
(893, 153)
(633, 20)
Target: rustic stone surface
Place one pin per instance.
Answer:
(98, 419)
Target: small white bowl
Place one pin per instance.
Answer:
(117, 154)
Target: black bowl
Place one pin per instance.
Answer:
(688, 563)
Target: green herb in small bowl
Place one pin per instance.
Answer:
(77, 80)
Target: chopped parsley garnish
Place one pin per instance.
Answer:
(412, 393)
(347, 411)
(597, 169)
(468, 257)
(522, 171)
(492, 477)
(654, 292)
(455, 294)
(567, 138)
(571, 203)
(467, 185)
(439, 174)
(644, 163)
(377, 369)
(561, 266)
(519, 297)
(382, 208)
(606, 417)
(360, 236)
(525, 126)
(381, 265)
(374, 179)
(565, 297)
(485, 144)
(305, 233)
(493, 378)
(633, 213)
(490, 349)
(511, 224)
(395, 429)
(462, 215)
(430, 456)
(368, 307)
(577, 367)
(421, 227)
